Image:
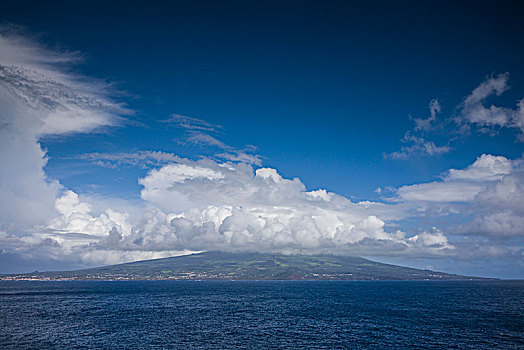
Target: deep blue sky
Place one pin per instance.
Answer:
(322, 89)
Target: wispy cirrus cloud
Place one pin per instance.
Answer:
(191, 123)
(199, 132)
(46, 96)
(241, 156)
(202, 139)
(141, 159)
(417, 146)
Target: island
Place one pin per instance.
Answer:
(216, 265)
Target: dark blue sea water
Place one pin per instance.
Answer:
(259, 315)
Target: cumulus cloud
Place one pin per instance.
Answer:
(160, 185)
(498, 224)
(231, 206)
(75, 217)
(490, 190)
(431, 239)
(210, 205)
(461, 185)
(500, 208)
(486, 168)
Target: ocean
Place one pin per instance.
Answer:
(262, 315)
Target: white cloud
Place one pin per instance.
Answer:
(498, 224)
(198, 132)
(160, 186)
(493, 85)
(500, 208)
(427, 124)
(414, 144)
(267, 212)
(241, 156)
(199, 138)
(432, 239)
(40, 97)
(460, 185)
(472, 112)
(47, 100)
(209, 205)
(141, 159)
(26, 194)
(505, 193)
(490, 191)
(191, 123)
(418, 146)
(518, 117)
(492, 117)
(196, 137)
(75, 216)
(320, 195)
(439, 192)
(485, 168)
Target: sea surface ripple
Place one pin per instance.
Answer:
(262, 315)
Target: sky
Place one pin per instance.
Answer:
(139, 130)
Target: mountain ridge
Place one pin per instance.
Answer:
(214, 265)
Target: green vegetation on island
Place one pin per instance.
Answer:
(246, 266)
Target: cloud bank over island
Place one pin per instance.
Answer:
(229, 201)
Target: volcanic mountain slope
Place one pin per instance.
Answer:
(246, 266)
